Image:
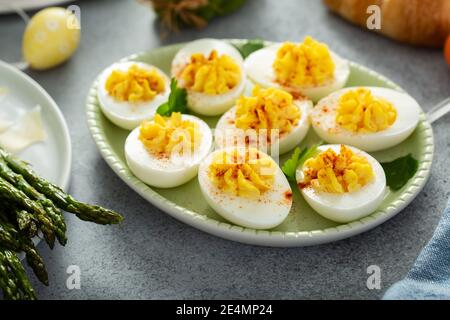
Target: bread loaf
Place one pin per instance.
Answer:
(417, 22)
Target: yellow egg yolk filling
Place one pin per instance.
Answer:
(271, 109)
(165, 136)
(211, 75)
(337, 173)
(246, 175)
(359, 111)
(135, 85)
(305, 64)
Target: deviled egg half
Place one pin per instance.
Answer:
(166, 152)
(271, 120)
(308, 68)
(130, 92)
(369, 118)
(246, 187)
(212, 72)
(342, 183)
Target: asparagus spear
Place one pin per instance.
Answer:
(59, 197)
(18, 270)
(8, 283)
(8, 239)
(23, 221)
(26, 223)
(21, 242)
(8, 235)
(34, 260)
(14, 281)
(52, 211)
(11, 193)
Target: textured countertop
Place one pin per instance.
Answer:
(153, 255)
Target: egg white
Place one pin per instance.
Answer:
(206, 104)
(166, 173)
(323, 119)
(226, 129)
(348, 206)
(123, 113)
(266, 212)
(259, 67)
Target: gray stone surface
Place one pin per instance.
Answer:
(153, 255)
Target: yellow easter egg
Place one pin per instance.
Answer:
(51, 37)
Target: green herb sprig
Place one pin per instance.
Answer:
(250, 46)
(399, 171)
(298, 157)
(177, 101)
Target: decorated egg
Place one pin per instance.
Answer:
(51, 37)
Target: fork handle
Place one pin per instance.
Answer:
(438, 111)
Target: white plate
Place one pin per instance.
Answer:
(9, 6)
(51, 158)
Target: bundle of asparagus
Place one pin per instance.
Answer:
(30, 205)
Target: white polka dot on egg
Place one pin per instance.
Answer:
(64, 48)
(40, 36)
(52, 25)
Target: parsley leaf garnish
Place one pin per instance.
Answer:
(290, 166)
(250, 46)
(298, 157)
(399, 171)
(177, 100)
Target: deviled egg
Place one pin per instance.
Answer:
(342, 183)
(308, 68)
(369, 118)
(212, 72)
(165, 152)
(130, 92)
(246, 187)
(270, 120)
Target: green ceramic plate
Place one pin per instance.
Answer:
(303, 225)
